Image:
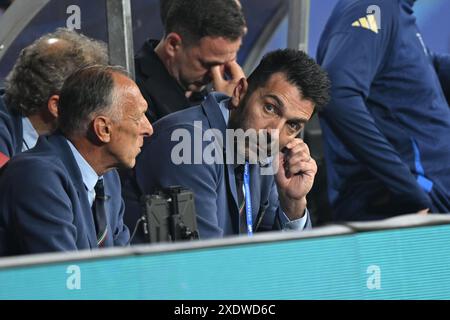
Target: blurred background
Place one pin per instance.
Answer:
(267, 24)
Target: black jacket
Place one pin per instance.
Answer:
(11, 132)
(162, 92)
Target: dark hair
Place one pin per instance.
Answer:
(4, 4)
(164, 6)
(195, 19)
(42, 67)
(300, 70)
(87, 92)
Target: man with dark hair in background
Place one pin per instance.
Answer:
(33, 85)
(282, 94)
(164, 6)
(199, 47)
(64, 194)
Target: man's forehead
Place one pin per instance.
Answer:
(128, 90)
(279, 86)
(286, 96)
(125, 86)
(218, 48)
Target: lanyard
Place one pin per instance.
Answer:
(248, 200)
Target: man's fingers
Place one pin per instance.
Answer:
(298, 150)
(216, 75)
(299, 158)
(301, 167)
(296, 142)
(235, 70)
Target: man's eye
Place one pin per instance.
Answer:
(294, 127)
(269, 108)
(207, 65)
(135, 119)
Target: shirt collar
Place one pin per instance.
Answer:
(223, 105)
(88, 174)
(30, 135)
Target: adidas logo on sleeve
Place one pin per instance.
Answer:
(368, 22)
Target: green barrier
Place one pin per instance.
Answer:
(407, 263)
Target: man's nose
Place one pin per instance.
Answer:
(147, 128)
(275, 131)
(209, 73)
(275, 124)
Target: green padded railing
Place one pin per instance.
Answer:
(337, 262)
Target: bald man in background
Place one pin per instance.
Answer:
(29, 106)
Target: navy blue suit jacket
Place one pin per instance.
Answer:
(11, 132)
(214, 185)
(44, 205)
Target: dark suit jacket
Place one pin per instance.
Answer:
(162, 92)
(214, 185)
(11, 133)
(44, 205)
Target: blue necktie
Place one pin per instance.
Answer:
(239, 175)
(99, 211)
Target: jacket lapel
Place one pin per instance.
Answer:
(61, 147)
(216, 121)
(255, 190)
(16, 124)
(109, 241)
(18, 132)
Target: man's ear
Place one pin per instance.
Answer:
(101, 127)
(172, 43)
(52, 105)
(239, 93)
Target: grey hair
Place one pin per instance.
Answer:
(42, 67)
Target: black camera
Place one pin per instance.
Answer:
(169, 215)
